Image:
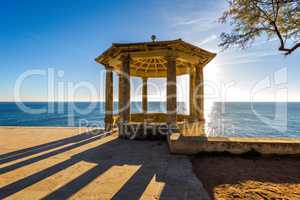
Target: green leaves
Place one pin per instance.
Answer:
(252, 18)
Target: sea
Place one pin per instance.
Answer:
(241, 119)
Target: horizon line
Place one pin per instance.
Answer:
(298, 101)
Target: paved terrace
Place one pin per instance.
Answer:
(60, 163)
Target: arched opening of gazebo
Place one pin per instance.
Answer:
(155, 59)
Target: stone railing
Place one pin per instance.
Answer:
(186, 127)
(151, 117)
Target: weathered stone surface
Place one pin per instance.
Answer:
(144, 95)
(196, 144)
(109, 100)
(171, 90)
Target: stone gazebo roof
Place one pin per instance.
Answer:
(148, 58)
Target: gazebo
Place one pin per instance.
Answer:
(155, 59)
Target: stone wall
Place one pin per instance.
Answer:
(192, 145)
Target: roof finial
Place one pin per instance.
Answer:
(153, 38)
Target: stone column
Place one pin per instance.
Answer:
(199, 93)
(120, 104)
(120, 98)
(171, 90)
(144, 95)
(124, 92)
(109, 99)
(192, 93)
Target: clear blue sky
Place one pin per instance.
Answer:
(67, 35)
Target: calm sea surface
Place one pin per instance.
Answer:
(226, 119)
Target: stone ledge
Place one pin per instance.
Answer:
(266, 146)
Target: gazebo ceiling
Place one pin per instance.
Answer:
(148, 59)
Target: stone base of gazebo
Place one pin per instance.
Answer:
(154, 126)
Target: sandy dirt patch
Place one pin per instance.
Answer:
(233, 177)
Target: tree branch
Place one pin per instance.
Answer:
(275, 18)
(278, 35)
(289, 50)
(262, 10)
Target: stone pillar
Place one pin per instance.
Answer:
(199, 93)
(108, 99)
(120, 105)
(144, 95)
(192, 93)
(124, 93)
(171, 90)
(120, 98)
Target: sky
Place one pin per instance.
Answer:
(47, 50)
